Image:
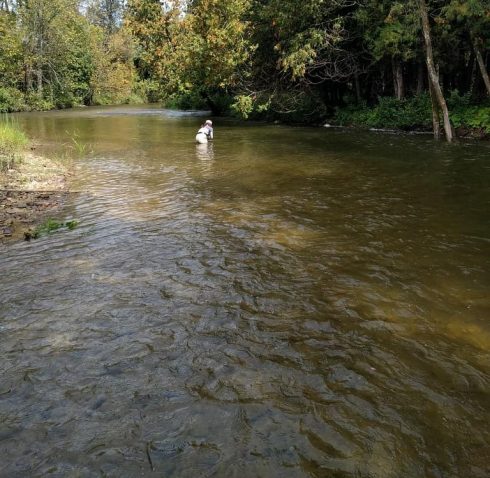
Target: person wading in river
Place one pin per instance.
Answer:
(205, 132)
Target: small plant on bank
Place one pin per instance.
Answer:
(78, 145)
(49, 226)
(12, 143)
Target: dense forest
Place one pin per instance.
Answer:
(380, 63)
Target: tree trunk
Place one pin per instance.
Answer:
(469, 73)
(481, 64)
(40, 61)
(39, 74)
(420, 78)
(436, 121)
(397, 78)
(433, 76)
(358, 88)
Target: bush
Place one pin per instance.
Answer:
(474, 117)
(36, 102)
(12, 142)
(11, 100)
(408, 113)
(147, 91)
(187, 101)
(415, 113)
(464, 114)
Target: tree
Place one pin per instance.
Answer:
(114, 75)
(198, 48)
(10, 50)
(106, 13)
(218, 48)
(473, 16)
(312, 39)
(392, 32)
(157, 30)
(437, 97)
(57, 60)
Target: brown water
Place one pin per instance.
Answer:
(285, 302)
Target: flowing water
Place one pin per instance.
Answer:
(284, 302)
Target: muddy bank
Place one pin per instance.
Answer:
(32, 191)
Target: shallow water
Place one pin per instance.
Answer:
(284, 302)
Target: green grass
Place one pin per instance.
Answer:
(79, 146)
(12, 143)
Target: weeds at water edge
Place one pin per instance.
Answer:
(12, 143)
(49, 226)
(77, 145)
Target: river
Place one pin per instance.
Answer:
(283, 302)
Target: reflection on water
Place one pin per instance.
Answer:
(310, 302)
(205, 152)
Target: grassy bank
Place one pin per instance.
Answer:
(12, 143)
(31, 186)
(415, 114)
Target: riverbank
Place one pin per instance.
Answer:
(30, 191)
(471, 121)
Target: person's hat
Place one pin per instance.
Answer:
(209, 122)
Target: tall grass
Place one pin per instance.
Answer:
(79, 146)
(12, 142)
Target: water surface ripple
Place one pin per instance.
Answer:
(286, 302)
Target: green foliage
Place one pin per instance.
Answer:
(37, 102)
(415, 113)
(52, 57)
(284, 106)
(303, 39)
(113, 79)
(217, 49)
(473, 15)
(190, 100)
(49, 226)
(159, 45)
(11, 99)
(10, 50)
(194, 59)
(467, 115)
(474, 117)
(391, 28)
(12, 142)
(243, 106)
(410, 113)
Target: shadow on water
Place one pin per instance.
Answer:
(282, 302)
